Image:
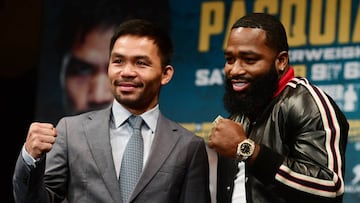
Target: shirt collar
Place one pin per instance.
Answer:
(120, 115)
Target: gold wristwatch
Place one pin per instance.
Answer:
(245, 149)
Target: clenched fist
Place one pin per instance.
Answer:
(225, 136)
(40, 139)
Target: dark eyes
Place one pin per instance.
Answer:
(229, 60)
(117, 60)
(138, 62)
(142, 63)
(250, 60)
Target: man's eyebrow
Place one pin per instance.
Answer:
(242, 53)
(114, 54)
(142, 57)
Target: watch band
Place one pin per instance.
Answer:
(245, 149)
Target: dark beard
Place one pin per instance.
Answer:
(253, 101)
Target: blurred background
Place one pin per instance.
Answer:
(36, 39)
(20, 34)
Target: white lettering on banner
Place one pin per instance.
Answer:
(352, 70)
(332, 71)
(323, 71)
(355, 189)
(324, 54)
(356, 171)
(353, 186)
(351, 99)
(335, 91)
(345, 96)
(207, 77)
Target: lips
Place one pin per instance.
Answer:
(127, 86)
(239, 86)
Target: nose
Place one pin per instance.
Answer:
(237, 68)
(128, 71)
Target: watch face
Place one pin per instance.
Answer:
(245, 148)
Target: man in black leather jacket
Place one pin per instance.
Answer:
(289, 135)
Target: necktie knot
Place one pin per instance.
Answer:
(135, 121)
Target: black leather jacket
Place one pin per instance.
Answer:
(303, 137)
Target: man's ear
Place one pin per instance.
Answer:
(167, 74)
(282, 61)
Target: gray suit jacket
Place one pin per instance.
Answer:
(80, 166)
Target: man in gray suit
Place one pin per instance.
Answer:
(80, 160)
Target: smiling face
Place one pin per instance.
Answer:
(136, 74)
(252, 71)
(247, 57)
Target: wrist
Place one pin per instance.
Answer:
(245, 149)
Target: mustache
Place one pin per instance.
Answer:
(239, 78)
(127, 81)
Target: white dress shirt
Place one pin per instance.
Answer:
(239, 193)
(120, 132)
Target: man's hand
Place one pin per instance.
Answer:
(225, 136)
(40, 139)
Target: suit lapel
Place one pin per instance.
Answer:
(166, 137)
(97, 132)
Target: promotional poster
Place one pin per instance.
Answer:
(324, 40)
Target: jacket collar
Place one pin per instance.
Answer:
(284, 80)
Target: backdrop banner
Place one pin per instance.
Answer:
(324, 39)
